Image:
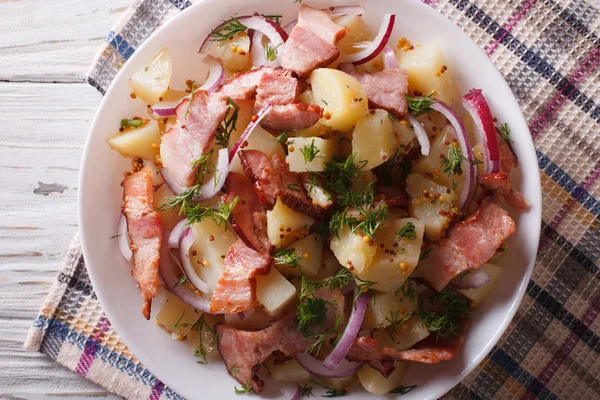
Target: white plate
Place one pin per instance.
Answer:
(102, 171)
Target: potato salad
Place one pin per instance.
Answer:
(324, 209)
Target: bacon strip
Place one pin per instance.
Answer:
(394, 195)
(272, 178)
(385, 89)
(191, 136)
(248, 218)
(500, 181)
(428, 351)
(242, 86)
(145, 229)
(247, 350)
(312, 43)
(469, 244)
(236, 289)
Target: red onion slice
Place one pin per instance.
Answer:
(214, 184)
(242, 316)
(478, 107)
(338, 354)
(389, 58)
(181, 291)
(178, 232)
(253, 124)
(420, 133)
(123, 239)
(316, 367)
(377, 45)
(166, 108)
(473, 280)
(290, 391)
(174, 186)
(468, 191)
(269, 28)
(186, 262)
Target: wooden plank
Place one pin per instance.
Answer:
(53, 41)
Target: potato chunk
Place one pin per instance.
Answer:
(357, 33)
(285, 225)
(435, 210)
(137, 142)
(177, 317)
(375, 383)
(336, 92)
(309, 250)
(393, 263)
(259, 140)
(207, 255)
(352, 251)
(287, 371)
(254, 319)
(309, 154)
(274, 292)
(170, 217)
(374, 139)
(151, 81)
(425, 73)
(386, 308)
(407, 335)
(481, 293)
(235, 53)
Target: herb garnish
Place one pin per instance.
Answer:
(407, 293)
(402, 389)
(450, 306)
(181, 281)
(293, 187)
(228, 30)
(407, 231)
(181, 324)
(273, 17)
(452, 163)
(306, 391)
(234, 370)
(424, 255)
(245, 388)
(396, 319)
(310, 152)
(463, 274)
(330, 391)
(228, 125)
(115, 236)
(271, 55)
(420, 105)
(504, 132)
(189, 104)
(282, 138)
(201, 351)
(136, 123)
(287, 257)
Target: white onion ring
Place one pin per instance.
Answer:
(420, 133)
(253, 124)
(269, 28)
(468, 191)
(211, 187)
(123, 240)
(473, 280)
(316, 367)
(181, 291)
(178, 232)
(186, 262)
(174, 186)
(216, 74)
(377, 45)
(341, 349)
(478, 107)
(389, 58)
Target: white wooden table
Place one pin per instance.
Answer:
(46, 47)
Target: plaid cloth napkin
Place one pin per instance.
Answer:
(549, 52)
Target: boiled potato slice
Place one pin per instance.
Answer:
(352, 250)
(318, 129)
(405, 134)
(375, 383)
(431, 165)
(424, 66)
(287, 371)
(284, 225)
(481, 293)
(259, 140)
(207, 255)
(336, 92)
(254, 319)
(151, 81)
(407, 335)
(357, 33)
(339, 383)
(203, 338)
(329, 266)
(384, 309)
(393, 263)
(177, 317)
(170, 217)
(436, 210)
(309, 154)
(274, 292)
(309, 250)
(137, 142)
(235, 53)
(478, 153)
(374, 139)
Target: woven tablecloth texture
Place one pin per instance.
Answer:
(549, 52)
